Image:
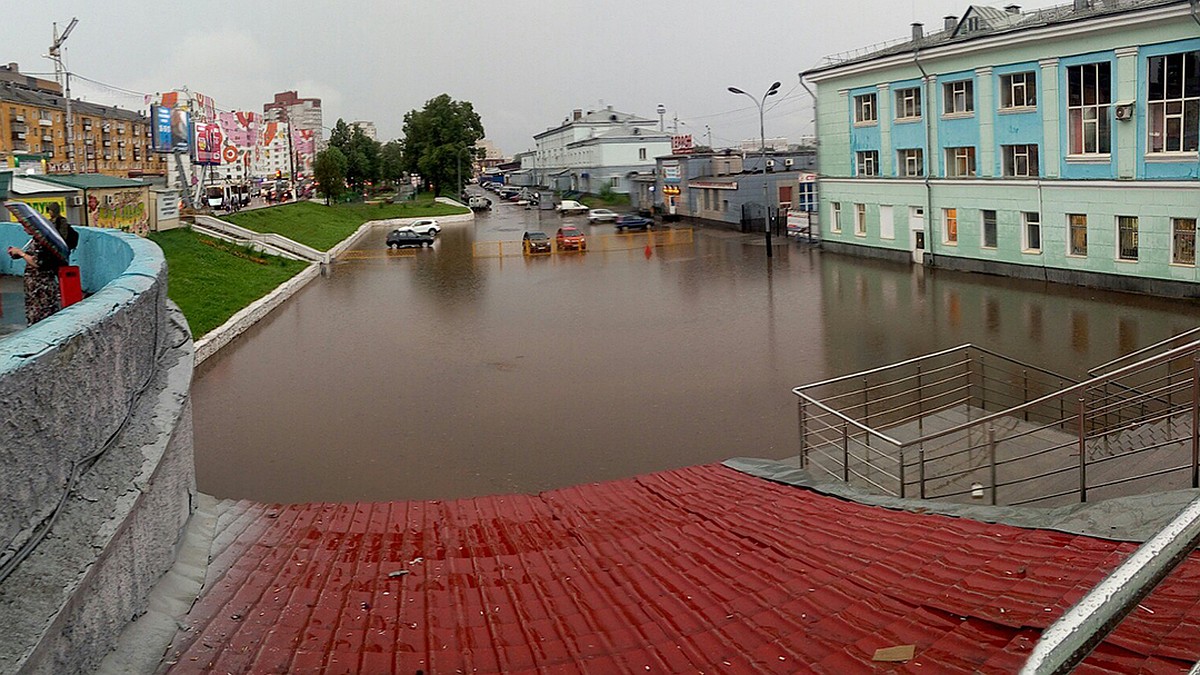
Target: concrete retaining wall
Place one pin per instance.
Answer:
(96, 472)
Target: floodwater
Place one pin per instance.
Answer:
(439, 374)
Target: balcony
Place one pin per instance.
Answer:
(47, 138)
(107, 143)
(120, 144)
(18, 135)
(46, 122)
(21, 146)
(19, 119)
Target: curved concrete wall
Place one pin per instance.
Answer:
(98, 394)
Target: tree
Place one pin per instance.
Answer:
(439, 139)
(391, 161)
(362, 160)
(329, 170)
(340, 136)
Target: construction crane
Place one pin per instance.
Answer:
(63, 76)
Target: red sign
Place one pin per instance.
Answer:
(681, 145)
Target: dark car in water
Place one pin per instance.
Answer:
(406, 238)
(632, 222)
(536, 242)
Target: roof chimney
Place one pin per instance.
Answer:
(577, 114)
(1082, 4)
(949, 22)
(918, 34)
(1013, 9)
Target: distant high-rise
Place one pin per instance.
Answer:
(368, 129)
(303, 117)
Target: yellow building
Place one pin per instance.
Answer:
(33, 132)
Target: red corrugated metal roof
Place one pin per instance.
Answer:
(700, 569)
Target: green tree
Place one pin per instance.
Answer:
(340, 136)
(362, 160)
(329, 170)
(439, 141)
(391, 161)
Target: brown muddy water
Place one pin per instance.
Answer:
(442, 375)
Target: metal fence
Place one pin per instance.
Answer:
(967, 423)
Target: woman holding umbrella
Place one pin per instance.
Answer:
(45, 253)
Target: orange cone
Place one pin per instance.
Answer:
(649, 251)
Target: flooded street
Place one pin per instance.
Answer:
(435, 373)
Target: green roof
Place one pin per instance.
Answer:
(90, 181)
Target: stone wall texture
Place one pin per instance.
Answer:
(96, 471)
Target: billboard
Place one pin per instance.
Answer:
(681, 145)
(172, 129)
(209, 140)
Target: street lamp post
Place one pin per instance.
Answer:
(762, 138)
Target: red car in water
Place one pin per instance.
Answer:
(570, 239)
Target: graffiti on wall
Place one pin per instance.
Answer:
(39, 204)
(120, 210)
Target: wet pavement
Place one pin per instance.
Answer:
(451, 372)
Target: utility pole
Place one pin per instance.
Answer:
(708, 132)
(662, 110)
(675, 127)
(60, 70)
(762, 139)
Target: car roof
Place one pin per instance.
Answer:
(536, 235)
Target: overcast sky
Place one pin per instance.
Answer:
(524, 65)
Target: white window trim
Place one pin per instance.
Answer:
(860, 219)
(1175, 262)
(1025, 247)
(1117, 240)
(946, 240)
(983, 229)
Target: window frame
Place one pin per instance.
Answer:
(1028, 225)
(835, 220)
(1028, 153)
(1009, 86)
(1163, 108)
(860, 219)
(1127, 238)
(1098, 127)
(950, 226)
(908, 104)
(866, 109)
(1175, 242)
(964, 153)
(1074, 227)
(904, 158)
(866, 163)
(988, 227)
(951, 91)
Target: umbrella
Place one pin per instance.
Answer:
(45, 233)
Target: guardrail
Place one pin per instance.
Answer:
(268, 238)
(967, 423)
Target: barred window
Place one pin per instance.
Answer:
(1183, 241)
(1127, 238)
(1077, 240)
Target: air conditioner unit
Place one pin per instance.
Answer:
(789, 162)
(1124, 111)
(110, 200)
(76, 201)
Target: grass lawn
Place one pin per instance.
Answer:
(615, 202)
(211, 279)
(322, 227)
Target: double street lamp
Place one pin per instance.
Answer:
(763, 141)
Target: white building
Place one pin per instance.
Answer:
(368, 129)
(597, 150)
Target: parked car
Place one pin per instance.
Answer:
(632, 222)
(479, 203)
(570, 239)
(569, 207)
(403, 237)
(427, 226)
(536, 242)
(601, 216)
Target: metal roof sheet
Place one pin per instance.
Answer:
(698, 569)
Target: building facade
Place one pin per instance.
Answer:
(33, 132)
(1059, 144)
(596, 151)
(304, 118)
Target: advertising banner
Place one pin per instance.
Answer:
(670, 171)
(209, 140)
(681, 145)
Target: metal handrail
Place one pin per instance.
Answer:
(1073, 389)
(1193, 334)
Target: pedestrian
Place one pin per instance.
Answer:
(60, 223)
(42, 261)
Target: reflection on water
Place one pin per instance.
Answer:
(439, 375)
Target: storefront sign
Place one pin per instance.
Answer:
(681, 145)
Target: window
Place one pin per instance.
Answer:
(1020, 161)
(614, 181)
(1173, 103)
(641, 153)
(835, 223)
(808, 197)
(960, 162)
(1077, 224)
(860, 220)
(989, 228)
(887, 222)
(1127, 238)
(867, 162)
(1032, 227)
(864, 109)
(950, 226)
(908, 103)
(911, 162)
(1183, 241)
(1018, 90)
(1089, 93)
(959, 97)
